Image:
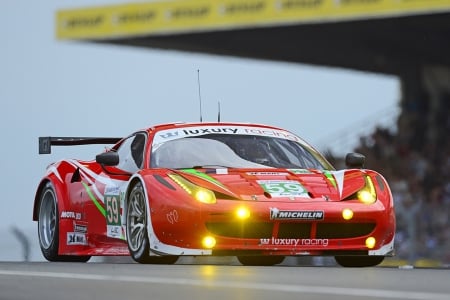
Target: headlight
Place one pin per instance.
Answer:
(368, 194)
(204, 196)
(199, 193)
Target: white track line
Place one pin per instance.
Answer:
(327, 290)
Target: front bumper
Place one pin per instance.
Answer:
(370, 231)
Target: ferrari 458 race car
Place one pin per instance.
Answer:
(257, 192)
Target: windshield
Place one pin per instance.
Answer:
(235, 151)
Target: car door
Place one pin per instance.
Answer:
(131, 158)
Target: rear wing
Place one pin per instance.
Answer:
(46, 142)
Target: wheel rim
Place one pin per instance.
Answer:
(137, 220)
(47, 219)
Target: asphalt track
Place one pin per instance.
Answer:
(129, 281)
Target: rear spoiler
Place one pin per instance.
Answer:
(46, 142)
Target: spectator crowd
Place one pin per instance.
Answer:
(417, 168)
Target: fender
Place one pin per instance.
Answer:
(56, 174)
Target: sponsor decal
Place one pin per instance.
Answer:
(242, 8)
(188, 12)
(307, 215)
(171, 134)
(114, 231)
(300, 4)
(267, 173)
(80, 228)
(172, 216)
(356, 2)
(76, 238)
(300, 171)
(202, 131)
(283, 188)
(136, 17)
(70, 215)
(314, 242)
(112, 190)
(271, 132)
(85, 21)
(294, 242)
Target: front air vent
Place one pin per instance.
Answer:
(294, 230)
(247, 230)
(343, 230)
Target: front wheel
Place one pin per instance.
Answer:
(48, 228)
(137, 235)
(359, 261)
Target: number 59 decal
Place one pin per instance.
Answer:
(283, 188)
(112, 210)
(113, 222)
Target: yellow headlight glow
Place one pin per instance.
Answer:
(368, 194)
(347, 214)
(370, 242)
(205, 196)
(243, 213)
(365, 197)
(209, 242)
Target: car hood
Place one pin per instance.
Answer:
(278, 184)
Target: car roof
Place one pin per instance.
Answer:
(164, 126)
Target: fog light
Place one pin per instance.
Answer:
(347, 214)
(209, 242)
(243, 213)
(370, 242)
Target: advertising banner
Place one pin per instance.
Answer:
(168, 17)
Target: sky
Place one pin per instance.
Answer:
(50, 87)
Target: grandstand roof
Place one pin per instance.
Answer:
(386, 36)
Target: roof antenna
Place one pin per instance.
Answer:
(199, 95)
(218, 114)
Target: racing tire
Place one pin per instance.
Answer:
(48, 227)
(137, 234)
(260, 260)
(358, 261)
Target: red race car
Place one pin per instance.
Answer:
(257, 192)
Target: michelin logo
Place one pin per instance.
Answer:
(311, 215)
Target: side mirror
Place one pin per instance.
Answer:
(110, 158)
(355, 160)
